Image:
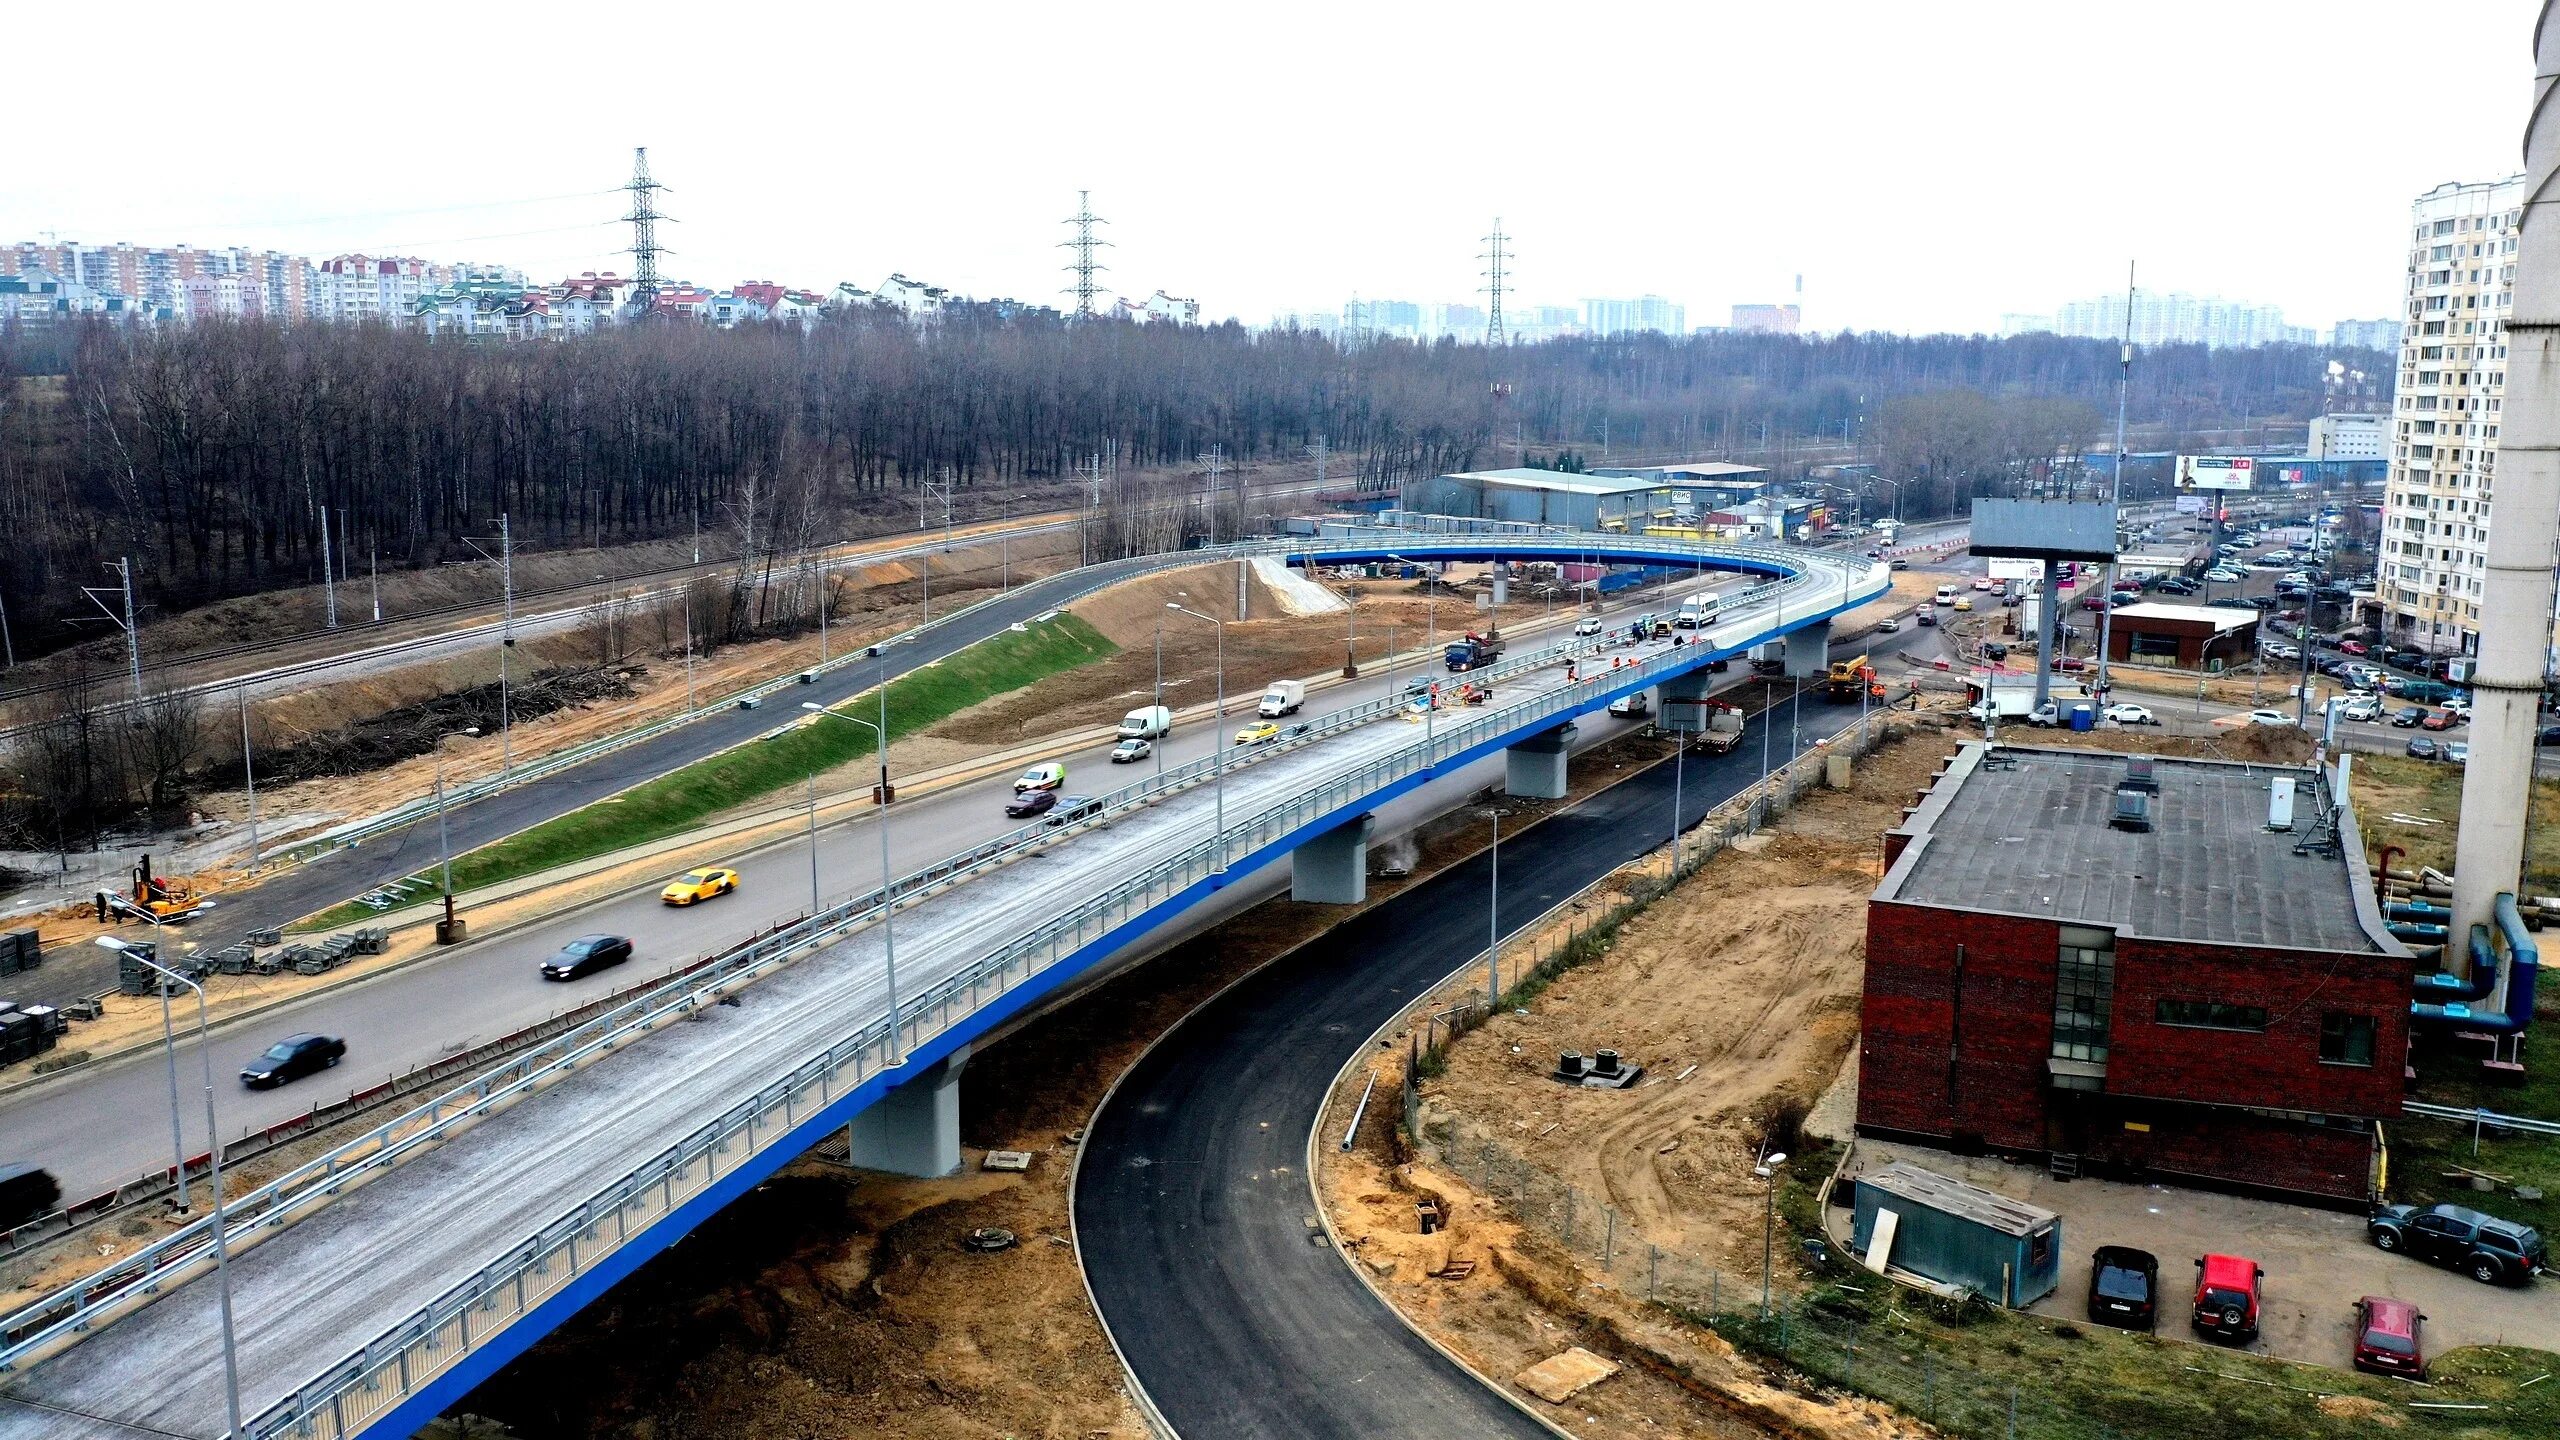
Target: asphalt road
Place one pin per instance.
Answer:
(1193, 1216)
(100, 1127)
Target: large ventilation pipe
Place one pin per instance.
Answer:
(2524, 528)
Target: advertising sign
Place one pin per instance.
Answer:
(2215, 472)
(2190, 504)
(2003, 568)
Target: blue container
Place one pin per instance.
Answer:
(2084, 717)
(2002, 1249)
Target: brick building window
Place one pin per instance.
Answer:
(2084, 989)
(2346, 1039)
(2213, 1015)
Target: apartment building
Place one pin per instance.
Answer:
(2349, 437)
(2444, 441)
(1644, 313)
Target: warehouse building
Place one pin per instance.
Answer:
(2186, 637)
(1623, 501)
(2137, 966)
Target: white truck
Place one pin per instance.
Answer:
(1147, 722)
(1697, 612)
(2012, 702)
(1282, 697)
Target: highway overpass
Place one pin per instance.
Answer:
(376, 1286)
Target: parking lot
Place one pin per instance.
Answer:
(2317, 1262)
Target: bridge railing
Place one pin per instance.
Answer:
(376, 1378)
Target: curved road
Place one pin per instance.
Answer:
(1192, 1210)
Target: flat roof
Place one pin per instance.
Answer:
(1692, 470)
(1950, 1196)
(2026, 831)
(2220, 617)
(1518, 479)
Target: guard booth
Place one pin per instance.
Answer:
(1943, 1229)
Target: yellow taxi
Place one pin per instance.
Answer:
(696, 886)
(1259, 733)
(1964, 602)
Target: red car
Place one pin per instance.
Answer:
(2227, 1297)
(2387, 1337)
(2352, 647)
(2439, 720)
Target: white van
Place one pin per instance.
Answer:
(1047, 775)
(1946, 595)
(1147, 722)
(1282, 698)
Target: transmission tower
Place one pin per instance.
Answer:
(1084, 267)
(1497, 263)
(644, 218)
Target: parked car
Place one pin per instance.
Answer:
(2457, 752)
(2125, 713)
(2363, 707)
(2439, 720)
(2352, 647)
(2421, 748)
(1587, 625)
(585, 956)
(291, 1058)
(1130, 751)
(1047, 775)
(2488, 1249)
(695, 886)
(1029, 803)
(2387, 1337)
(2408, 717)
(1072, 808)
(2548, 735)
(2226, 1305)
(2259, 602)
(2222, 575)
(2124, 1287)
(2178, 585)
(26, 1193)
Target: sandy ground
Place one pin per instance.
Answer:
(830, 1302)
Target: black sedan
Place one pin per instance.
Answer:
(1072, 808)
(2421, 748)
(2409, 717)
(1030, 803)
(2124, 1287)
(585, 956)
(291, 1058)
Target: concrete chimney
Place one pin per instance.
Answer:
(2524, 529)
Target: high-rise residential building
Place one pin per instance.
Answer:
(157, 278)
(2444, 429)
(2177, 318)
(2350, 437)
(1769, 319)
(2365, 335)
(1644, 313)
(2014, 324)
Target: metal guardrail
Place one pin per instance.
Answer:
(2489, 1118)
(45, 1324)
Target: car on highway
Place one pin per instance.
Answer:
(1261, 732)
(2124, 1287)
(2127, 713)
(1128, 751)
(2421, 748)
(1875, 552)
(291, 1058)
(1889, 624)
(586, 955)
(2270, 717)
(1964, 602)
(2482, 1246)
(2387, 1337)
(695, 886)
(1629, 707)
(1981, 582)
(1586, 626)
(1047, 775)
(1926, 619)
(27, 1192)
(1900, 564)
(1030, 803)
(1072, 808)
(2226, 1301)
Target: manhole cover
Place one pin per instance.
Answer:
(987, 1239)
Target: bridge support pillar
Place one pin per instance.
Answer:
(915, 1128)
(1333, 868)
(1501, 583)
(1683, 701)
(1534, 768)
(1809, 652)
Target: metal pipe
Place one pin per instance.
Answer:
(2516, 590)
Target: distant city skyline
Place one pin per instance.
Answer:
(1876, 178)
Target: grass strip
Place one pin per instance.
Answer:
(681, 799)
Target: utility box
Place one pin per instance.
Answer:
(1943, 1229)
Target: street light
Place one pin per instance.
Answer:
(169, 1042)
(213, 1149)
(888, 906)
(1767, 1174)
(1218, 765)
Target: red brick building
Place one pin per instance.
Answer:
(2115, 961)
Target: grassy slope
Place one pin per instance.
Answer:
(678, 800)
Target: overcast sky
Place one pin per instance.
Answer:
(1923, 166)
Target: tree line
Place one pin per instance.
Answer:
(210, 453)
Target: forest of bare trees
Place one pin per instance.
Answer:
(209, 453)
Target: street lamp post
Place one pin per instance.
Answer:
(1767, 1170)
(213, 1148)
(1218, 765)
(888, 906)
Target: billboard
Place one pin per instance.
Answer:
(2004, 568)
(2190, 504)
(2215, 472)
